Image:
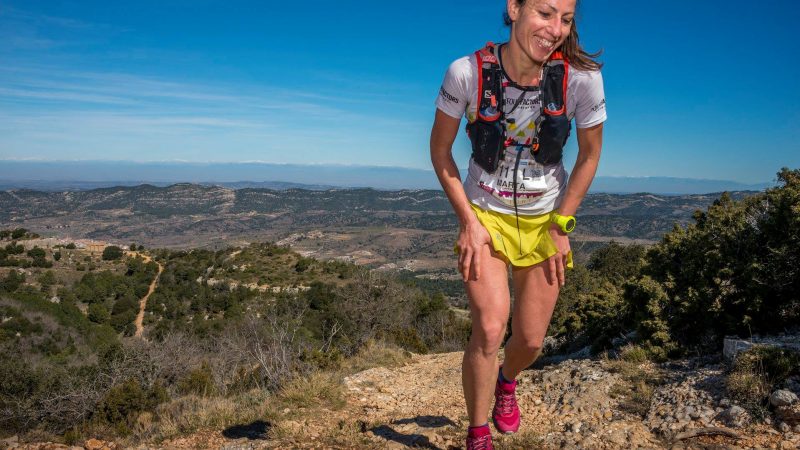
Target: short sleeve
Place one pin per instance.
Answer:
(453, 94)
(590, 107)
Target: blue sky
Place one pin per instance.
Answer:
(694, 89)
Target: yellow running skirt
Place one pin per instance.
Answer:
(528, 246)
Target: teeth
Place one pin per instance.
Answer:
(545, 43)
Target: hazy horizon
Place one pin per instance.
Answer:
(67, 175)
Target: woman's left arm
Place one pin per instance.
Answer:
(590, 141)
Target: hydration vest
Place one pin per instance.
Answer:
(487, 131)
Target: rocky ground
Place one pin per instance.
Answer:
(570, 405)
(574, 404)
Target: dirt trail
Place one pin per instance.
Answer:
(143, 302)
(420, 405)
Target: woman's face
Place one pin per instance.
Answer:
(541, 26)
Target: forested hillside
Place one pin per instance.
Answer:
(220, 323)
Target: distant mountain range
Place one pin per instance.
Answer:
(83, 175)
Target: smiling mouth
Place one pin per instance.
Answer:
(544, 43)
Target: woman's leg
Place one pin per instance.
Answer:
(534, 300)
(489, 304)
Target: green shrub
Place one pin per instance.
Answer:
(199, 381)
(47, 279)
(323, 360)
(122, 404)
(36, 252)
(747, 383)
(633, 354)
(777, 364)
(12, 281)
(303, 264)
(618, 263)
(41, 262)
(98, 313)
(15, 249)
(111, 253)
(734, 271)
(123, 322)
(651, 310)
(757, 372)
(408, 338)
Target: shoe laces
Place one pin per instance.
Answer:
(480, 443)
(506, 403)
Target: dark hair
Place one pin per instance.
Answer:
(571, 48)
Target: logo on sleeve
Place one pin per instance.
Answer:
(599, 106)
(447, 96)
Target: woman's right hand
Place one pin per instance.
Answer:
(472, 236)
(471, 240)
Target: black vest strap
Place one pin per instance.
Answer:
(487, 131)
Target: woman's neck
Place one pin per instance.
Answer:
(522, 70)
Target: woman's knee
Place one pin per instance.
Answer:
(532, 345)
(488, 337)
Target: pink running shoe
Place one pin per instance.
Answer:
(479, 438)
(506, 412)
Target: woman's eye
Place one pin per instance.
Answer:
(566, 21)
(544, 14)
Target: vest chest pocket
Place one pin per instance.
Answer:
(553, 133)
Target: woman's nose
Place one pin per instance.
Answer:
(554, 27)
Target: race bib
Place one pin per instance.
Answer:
(530, 181)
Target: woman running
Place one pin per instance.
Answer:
(515, 207)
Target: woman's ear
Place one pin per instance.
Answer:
(512, 6)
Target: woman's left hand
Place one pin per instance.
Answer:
(558, 262)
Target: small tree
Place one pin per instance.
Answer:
(12, 281)
(15, 249)
(18, 233)
(47, 280)
(112, 252)
(36, 252)
(98, 313)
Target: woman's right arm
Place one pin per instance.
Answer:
(472, 235)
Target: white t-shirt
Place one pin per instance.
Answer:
(539, 188)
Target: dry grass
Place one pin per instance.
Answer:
(318, 389)
(191, 413)
(376, 354)
(633, 354)
(341, 434)
(313, 395)
(637, 386)
(749, 388)
(753, 375)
